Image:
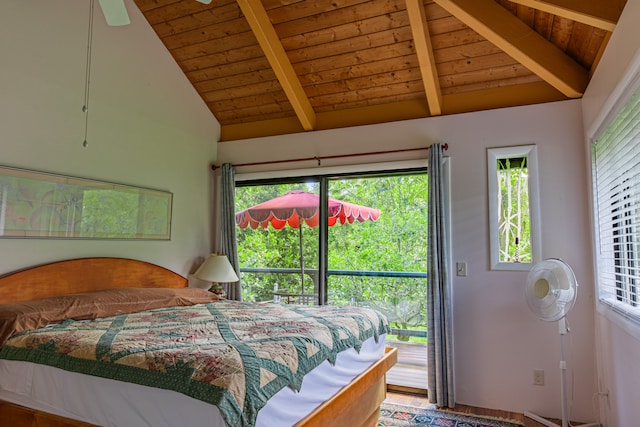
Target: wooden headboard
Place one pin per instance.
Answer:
(84, 275)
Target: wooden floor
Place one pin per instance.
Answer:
(411, 369)
(421, 401)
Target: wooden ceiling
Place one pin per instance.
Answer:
(271, 67)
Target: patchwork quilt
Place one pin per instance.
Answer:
(231, 354)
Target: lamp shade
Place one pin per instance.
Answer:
(216, 268)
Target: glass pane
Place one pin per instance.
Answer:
(382, 264)
(513, 202)
(270, 258)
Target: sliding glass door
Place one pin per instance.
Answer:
(372, 252)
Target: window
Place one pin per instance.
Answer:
(513, 207)
(616, 182)
(366, 259)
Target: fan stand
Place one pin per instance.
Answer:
(562, 324)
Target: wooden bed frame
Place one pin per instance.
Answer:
(355, 405)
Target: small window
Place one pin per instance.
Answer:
(513, 207)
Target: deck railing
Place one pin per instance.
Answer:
(308, 296)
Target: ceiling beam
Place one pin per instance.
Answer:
(424, 50)
(260, 129)
(599, 14)
(523, 44)
(262, 28)
(501, 97)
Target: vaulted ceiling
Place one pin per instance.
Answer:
(271, 67)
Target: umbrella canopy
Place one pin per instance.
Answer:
(297, 207)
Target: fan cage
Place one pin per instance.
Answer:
(551, 289)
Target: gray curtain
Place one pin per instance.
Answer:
(439, 316)
(228, 242)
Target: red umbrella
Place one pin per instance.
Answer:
(297, 207)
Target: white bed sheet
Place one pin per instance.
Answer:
(112, 403)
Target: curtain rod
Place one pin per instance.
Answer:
(445, 147)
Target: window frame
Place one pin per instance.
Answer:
(617, 311)
(493, 155)
(322, 175)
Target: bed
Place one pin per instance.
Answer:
(353, 399)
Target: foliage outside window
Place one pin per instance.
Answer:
(513, 210)
(513, 203)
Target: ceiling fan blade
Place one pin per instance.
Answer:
(115, 12)
(204, 1)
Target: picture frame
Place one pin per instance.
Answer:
(45, 205)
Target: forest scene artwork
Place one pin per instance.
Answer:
(42, 205)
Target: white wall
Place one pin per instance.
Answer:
(147, 126)
(617, 340)
(498, 342)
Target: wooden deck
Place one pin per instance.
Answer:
(411, 370)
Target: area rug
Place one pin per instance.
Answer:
(409, 416)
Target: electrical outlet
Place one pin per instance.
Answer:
(538, 377)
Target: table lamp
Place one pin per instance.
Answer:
(216, 268)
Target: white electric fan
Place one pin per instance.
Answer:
(551, 291)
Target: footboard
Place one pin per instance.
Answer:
(358, 403)
(19, 416)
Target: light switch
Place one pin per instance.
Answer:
(461, 269)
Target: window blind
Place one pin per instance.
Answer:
(616, 175)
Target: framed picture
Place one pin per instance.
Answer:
(43, 205)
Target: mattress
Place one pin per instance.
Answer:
(114, 403)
